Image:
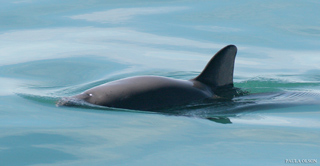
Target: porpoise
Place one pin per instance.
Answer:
(151, 93)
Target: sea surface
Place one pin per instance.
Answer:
(53, 48)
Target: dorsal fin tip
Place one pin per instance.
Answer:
(219, 70)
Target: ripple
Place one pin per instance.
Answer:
(266, 94)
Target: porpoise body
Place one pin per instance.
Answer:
(149, 93)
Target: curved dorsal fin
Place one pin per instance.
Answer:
(219, 70)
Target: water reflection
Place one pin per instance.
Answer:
(147, 50)
(35, 148)
(123, 15)
(62, 71)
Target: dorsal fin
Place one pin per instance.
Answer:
(219, 70)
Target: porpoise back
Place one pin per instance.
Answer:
(152, 93)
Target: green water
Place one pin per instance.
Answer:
(52, 49)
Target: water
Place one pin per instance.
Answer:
(51, 49)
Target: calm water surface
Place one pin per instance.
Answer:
(50, 49)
